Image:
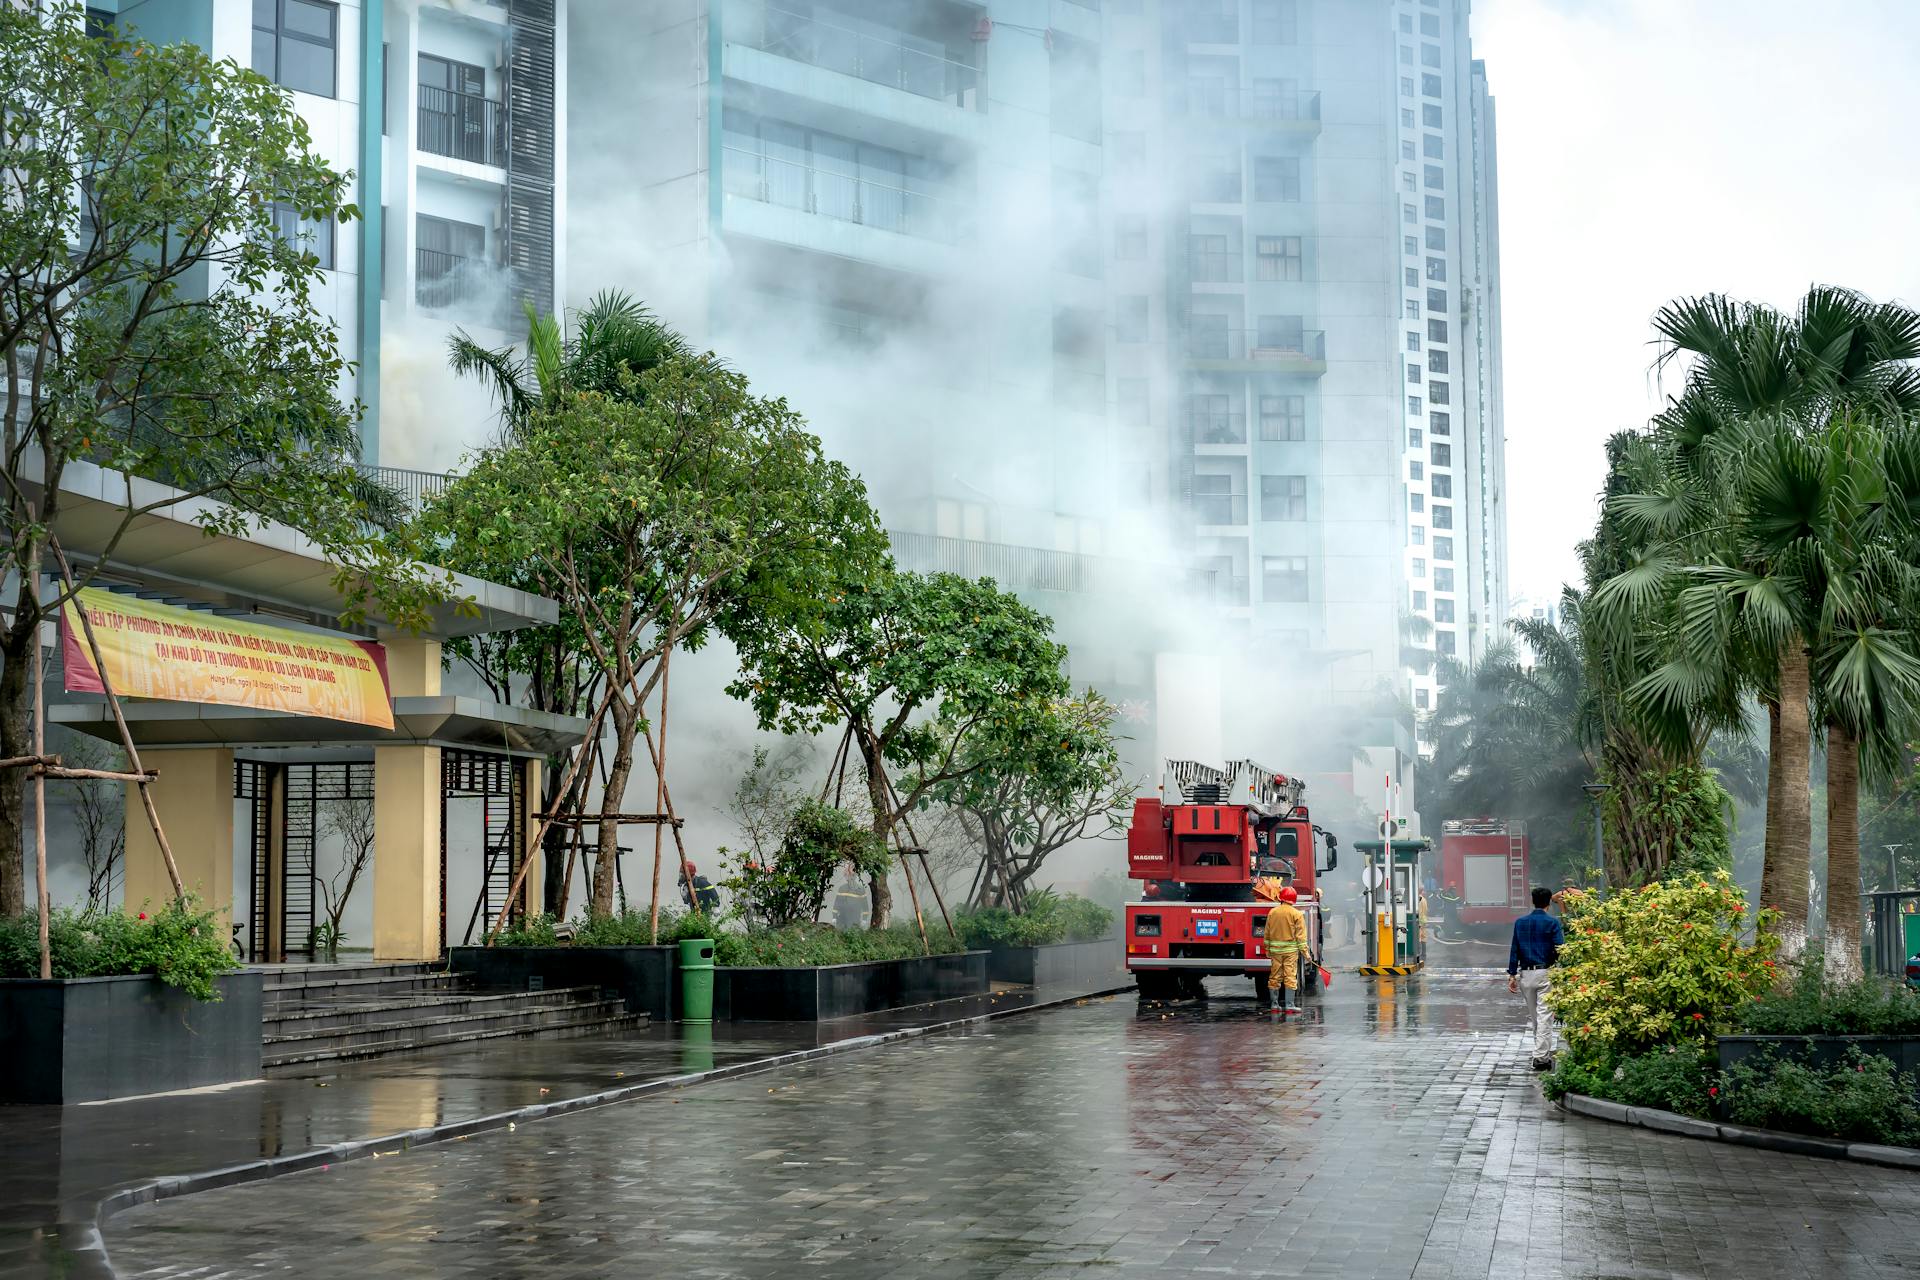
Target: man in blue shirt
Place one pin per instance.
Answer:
(1537, 939)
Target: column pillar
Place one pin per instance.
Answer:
(194, 798)
(407, 888)
(533, 892)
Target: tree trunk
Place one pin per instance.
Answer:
(882, 805)
(1843, 856)
(1783, 882)
(606, 863)
(16, 739)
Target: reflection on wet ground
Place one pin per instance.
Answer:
(1393, 1130)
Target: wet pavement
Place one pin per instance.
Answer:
(57, 1162)
(1394, 1131)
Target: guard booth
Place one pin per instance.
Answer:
(1395, 925)
(1894, 922)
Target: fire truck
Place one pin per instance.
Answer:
(1212, 865)
(1484, 882)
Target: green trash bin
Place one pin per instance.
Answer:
(696, 980)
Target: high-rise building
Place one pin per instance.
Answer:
(451, 114)
(1304, 222)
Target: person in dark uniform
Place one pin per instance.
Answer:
(702, 896)
(850, 903)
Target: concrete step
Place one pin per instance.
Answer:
(560, 1023)
(397, 986)
(346, 1015)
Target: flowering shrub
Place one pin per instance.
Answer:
(1663, 965)
(181, 943)
(1809, 1005)
(1863, 1099)
(1677, 1078)
(819, 840)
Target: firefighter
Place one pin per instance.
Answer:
(1286, 948)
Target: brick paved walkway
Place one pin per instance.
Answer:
(1381, 1137)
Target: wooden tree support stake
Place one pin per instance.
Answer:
(119, 720)
(40, 796)
(924, 865)
(540, 836)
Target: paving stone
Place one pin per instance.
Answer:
(1379, 1136)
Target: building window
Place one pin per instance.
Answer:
(1216, 177)
(1215, 501)
(1443, 641)
(1442, 454)
(295, 43)
(1437, 239)
(1412, 275)
(1276, 21)
(1410, 182)
(1437, 361)
(1442, 517)
(1436, 177)
(1410, 246)
(1419, 567)
(1413, 406)
(1283, 579)
(1276, 178)
(1212, 419)
(1430, 115)
(1436, 331)
(1413, 437)
(1406, 23)
(1433, 146)
(454, 115)
(1130, 238)
(1430, 55)
(1406, 54)
(1420, 695)
(449, 260)
(955, 519)
(1437, 392)
(1406, 86)
(1283, 498)
(1130, 318)
(1442, 486)
(1406, 118)
(1430, 85)
(1409, 214)
(1417, 535)
(1413, 373)
(1430, 25)
(1406, 149)
(1283, 417)
(315, 238)
(1443, 548)
(1415, 470)
(1437, 208)
(1436, 269)
(1440, 423)
(1437, 300)
(1443, 580)
(1413, 341)
(1277, 257)
(1413, 309)
(1416, 502)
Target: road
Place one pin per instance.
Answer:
(1393, 1131)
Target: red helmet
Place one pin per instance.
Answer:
(1288, 895)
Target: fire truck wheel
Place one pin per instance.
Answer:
(1158, 986)
(1310, 980)
(1193, 986)
(1262, 993)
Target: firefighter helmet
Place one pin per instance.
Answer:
(1289, 895)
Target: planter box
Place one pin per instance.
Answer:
(845, 990)
(647, 978)
(87, 1039)
(1822, 1051)
(1082, 964)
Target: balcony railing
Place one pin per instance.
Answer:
(464, 126)
(1223, 102)
(1215, 266)
(1220, 510)
(1018, 568)
(1308, 346)
(413, 488)
(834, 46)
(443, 279)
(846, 196)
(1217, 428)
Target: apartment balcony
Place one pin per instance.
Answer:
(412, 489)
(1289, 111)
(450, 282)
(1220, 510)
(1211, 266)
(462, 126)
(1016, 568)
(1205, 428)
(863, 214)
(1301, 352)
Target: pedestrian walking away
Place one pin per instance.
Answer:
(1537, 939)
(1286, 948)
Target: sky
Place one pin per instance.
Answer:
(1652, 149)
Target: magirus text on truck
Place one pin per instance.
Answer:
(1211, 865)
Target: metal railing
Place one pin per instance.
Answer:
(1307, 346)
(1220, 510)
(1215, 266)
(1217, 428)
(1226, 102)
(464, 126)
(848, 197)
(443, 279)
(1018, 568)
(414, 488)
(833, 46)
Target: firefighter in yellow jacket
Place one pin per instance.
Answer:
(1286, 950)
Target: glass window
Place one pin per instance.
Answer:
(1442, 454)
(1128, 148)
(1130, 238)
(1436, 331)
(1437, 392)
(1413, 437)
(1413, 373)
(1436, 176)
(1408, 181)
(1413, 342)
(295, 43)
(1430, 115)
(1213, 419)
(1430, 55)
(1283, 579)
(1413, 406)
(1417, 535)
(1437, 300)
(1442, 517)
(1442, 486)
(1430, 85)
(1406, 23)
(1440, 423)
(1406, 54)
(1281, 333)
(1277, 257)
(1420, 695)
(1437, 208)
(1433, 146)
(1436, 361)
(1406, 148)
(1419, 567)
(1406, 86)
(1443, 579)
(1444, 642)
(1283, 417)
(1410, 246)
(1429, 25)
(1437, 238)
(1406, 118)
(315, 238)
(1413, 309)
(1417, 501)
(1443, 548)
(1412, 275)
(1415, 470)
(1283, 498)
(1276, 178)
(1436, 268)
(1409, 214)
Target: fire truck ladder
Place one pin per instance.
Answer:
(1516, 871)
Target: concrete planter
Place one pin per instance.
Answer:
(1822, 1051)
(823, 992)
(89, 1039)
(1087, 964)
(647, 978)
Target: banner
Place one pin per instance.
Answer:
(157, 651)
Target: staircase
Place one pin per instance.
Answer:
(327, 1013)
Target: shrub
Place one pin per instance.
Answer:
(528, 931)
(182, 944)
(1863, 1099)
(819, 840)
(1049, 918)
(1657, 966)
(1677, 1078)
(804, 945)
(1869, 1006)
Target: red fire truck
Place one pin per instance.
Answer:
(1483, 876)
(1213, 864)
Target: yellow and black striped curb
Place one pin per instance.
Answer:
(1387, 970)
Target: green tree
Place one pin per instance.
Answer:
(153, 324)
(935, 675)
(686, 503)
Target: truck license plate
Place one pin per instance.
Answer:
(1206, 928)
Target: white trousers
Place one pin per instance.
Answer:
(1534, 985)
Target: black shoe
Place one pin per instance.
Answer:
(1543, 1064)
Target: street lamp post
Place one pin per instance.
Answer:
(1893, 866)
(1597, 790)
